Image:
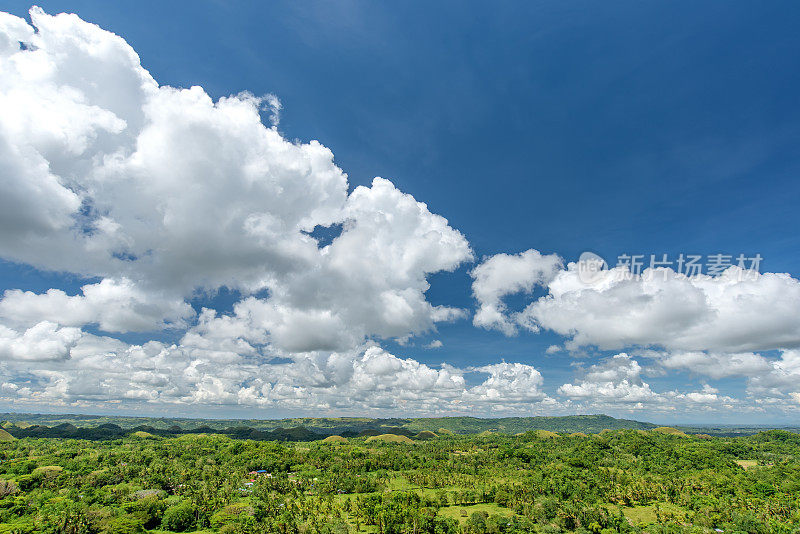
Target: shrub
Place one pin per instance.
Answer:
(8, 487)
(179, 517)
(124, 524)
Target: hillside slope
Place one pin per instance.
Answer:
(305, 429)
(590, 424)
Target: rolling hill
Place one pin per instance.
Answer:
(313, 428)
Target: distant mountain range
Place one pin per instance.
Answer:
(95, 427)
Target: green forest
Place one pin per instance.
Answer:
(658, 480)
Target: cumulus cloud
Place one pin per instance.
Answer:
(503, 274)
(707, 395)
(616, 383)
(733, 312)
(41, 342)
(114, 305)
(736, 312)
(769, 379)
(162, 192)
(715, 365)
(781, 376)
(616, 379)
(155, 194)
(716, 327)
(509, 383)
(367, 379)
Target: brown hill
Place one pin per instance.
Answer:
(389, 438)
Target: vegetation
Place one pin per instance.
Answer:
(629, 480)
(310, 428)
(669, 430)
(335, 439)
(514, 425)
(332, 425)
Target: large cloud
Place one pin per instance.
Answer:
(769, 379)
(162, 192)
(205, 371)
(713, 326)
(715, 365)
(41, 342)
(114, 305)
(505, 274)
(616, 382)
(737, 311)
(156, 193)
(616, 379)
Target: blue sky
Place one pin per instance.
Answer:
(618, 128)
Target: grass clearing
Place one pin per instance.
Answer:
(750, 464)
(647, 514)
(462, 513)
(334, 439)
(390, 438)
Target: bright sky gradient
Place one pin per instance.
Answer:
(190, 221)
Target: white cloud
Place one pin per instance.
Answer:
(503, 274)
(509, 383)
(617, 379)
(155, 193)
(116, 306)
(738, 311)
(616, 384)
(712, 326)
(43, 341)
(768, 378)
(435, 344)
(781, 377)
(716, 365)
(707, 395)
(162, 192)
(197, 372)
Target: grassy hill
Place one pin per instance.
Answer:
(346, 426)
(389, 438)
(313, 428)
(591, 424)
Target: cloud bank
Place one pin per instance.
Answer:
(159, 193)
(712, 326)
